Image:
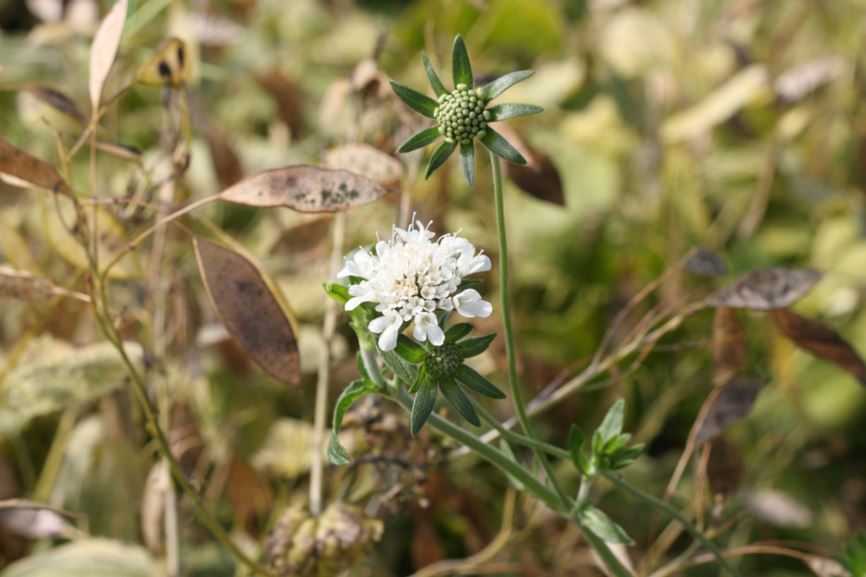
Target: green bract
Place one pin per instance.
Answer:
(462, 115)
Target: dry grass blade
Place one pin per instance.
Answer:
(725, 406)
(821, 341)
(104, 50)
(249, 310)
(767, 289)
(305, 189)
(367, 161)
(729, 345)
(21, 165)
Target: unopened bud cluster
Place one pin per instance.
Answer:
(442, 362)
(461, 115)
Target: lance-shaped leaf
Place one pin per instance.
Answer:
(250, 311)
(57, 100)
(725, 406)
(506, 111)
(467, 161)
(475, 346)
(474, 381)
(305, 189)
(410, 350)
(457, 332)
(500, 147)
(461, 69)
(103, 51)
(602, 526)
(425, 399)
(436, 84)
(15, 162)
(611, 425)
(414, 99)
(420, 139)
(439, 156)
(503, 83)
(460, 402)
(403, 370)
(338, 454)
(768, 289)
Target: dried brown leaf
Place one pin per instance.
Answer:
(767, 289)
(33, 520)
(168, 66)
(821, 341)
(226, 163)
(288, 97)
(539, 177)
(826, 567)
(15, 162)
(22, 285)
(305, 189)
(367, 161)
(729, 345)
(58, 101)
(725, 406)
(103, 51)
(706, 262)
(249, 310)
(725, 467)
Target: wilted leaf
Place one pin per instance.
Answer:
(821, 341)
(168, 66)
(58, 101)
(34, 520)
(250, 311)
(706, 262)
(539, 177)
(22, 285)
(305, 189)
(367, 161)
(156, 487)
(725, 406)
(729, 345)
(288, 96)
(778, 509)
(103, 51)
(21, 165)
(86, 558)
(226, 163)
(725, 467)
(767, 289)
(826, 567)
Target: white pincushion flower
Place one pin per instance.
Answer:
(410, 277)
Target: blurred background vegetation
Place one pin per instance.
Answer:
(738, 125)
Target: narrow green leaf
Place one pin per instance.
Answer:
(420, 139)
(611, 426)
(602, 526)
(337, 454)
(461, 69)
(625, 457)
(500, 147)
(432, 77)
(474, 381)
(457, 332)
(506, 448)
(503, 83)
(425, 399)
(440, 155)
(419, 381)
(506, 111)
(460, 402)
(616, 443)
(575, 446)
(338, 292)
(410, 350)
(475, 346)
(404, 371)
(414, 99)
(467, 161)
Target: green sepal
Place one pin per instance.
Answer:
(503, 83)
(337, 453)
(461, 69)
(500, 147)
(461, 403)
(420, 139)
(414, 99)
(440, 155)
(506, 111)
(474, 381)
(338, 292)
(410, 350)
(596, 521)
(475, 346)
(425, 400)
(467, 161)
(457, 332)
(436, 84)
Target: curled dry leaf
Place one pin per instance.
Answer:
(539, 177)
(33, 520)
(767, 289)
(821, 341)
(706, 262)
(103, 51)
(367, 161)
(250, 311)
(725, 406)
(168, 66)
(305, 189)
(729, 345)
(57, 100)
(21, 165)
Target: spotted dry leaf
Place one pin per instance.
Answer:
(767, 289)
(725, 406)
(367, 161)
(15, 162)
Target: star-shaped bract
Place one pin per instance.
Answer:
(463, 114)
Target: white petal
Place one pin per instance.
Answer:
(354, 302)
(388, 338)
(379, 324)
(435, 335)
(423, 322)
(480, 263)
(469, 304)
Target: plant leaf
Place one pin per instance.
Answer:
(410, 350)
(460, 402)
(767, 289)
(457, 332)
(706, 262)
(415, 100)
(461, 69)
(440, 155)
(725, 406)
(337, 454)
(103, 51)
(467, 161)
(436, 84)
(305, 189)
(404, 371)
(822, 341)
(500, 147)
(475, 346)
(57, 100)
(576, 438)
(425, 399)
(168, 65)
(86, 558)
(611, 425)
(420, 139)
(729, 345)
(506, 111)
(503, 83)
(474, 381)
(250, 311)
(22, 165)
(367, 161)
(595, 520)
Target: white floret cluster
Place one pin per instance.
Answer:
(410, 277)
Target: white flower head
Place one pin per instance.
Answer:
(410, 277)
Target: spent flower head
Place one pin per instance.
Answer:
(410, 277)
(463, 114)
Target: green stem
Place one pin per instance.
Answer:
(621, 483)
(519, 439)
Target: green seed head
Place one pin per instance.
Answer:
(459, 113)
(442, 362)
